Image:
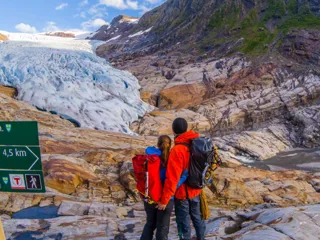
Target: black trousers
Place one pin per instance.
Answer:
(156, 219)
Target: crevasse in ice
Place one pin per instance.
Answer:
(65, 76)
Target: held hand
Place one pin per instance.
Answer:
(161, 207)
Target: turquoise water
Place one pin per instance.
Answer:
(37, 213)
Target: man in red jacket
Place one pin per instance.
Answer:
(187, 199)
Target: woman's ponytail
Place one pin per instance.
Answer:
(164, 144)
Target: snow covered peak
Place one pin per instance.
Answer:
(61, 34)
(65, 76)
(130, 20)
(124, 19)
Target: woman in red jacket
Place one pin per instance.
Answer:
(156, 219)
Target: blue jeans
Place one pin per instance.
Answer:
(187, 210)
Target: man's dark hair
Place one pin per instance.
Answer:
(179, 126)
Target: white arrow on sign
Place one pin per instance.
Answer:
(37, 159)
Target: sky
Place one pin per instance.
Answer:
(32, 16)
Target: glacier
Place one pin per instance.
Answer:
(64, 76)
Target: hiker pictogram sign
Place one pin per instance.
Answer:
(20, 158)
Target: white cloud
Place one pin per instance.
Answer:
(83, 15)
(84, 2)
(97, 11)
(61, 6)
(51, 27)
(25, 28)
(133, 4)
(94, 24)
(120, 4)
(154, 1)
(126, 4)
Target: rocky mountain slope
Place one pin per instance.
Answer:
(119, 25)
(212, 25)
(239, 67)
(91, 190)
(3, 37)
(61, 34)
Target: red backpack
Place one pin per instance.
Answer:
(147, 174)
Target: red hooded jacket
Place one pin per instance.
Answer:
(179, 160)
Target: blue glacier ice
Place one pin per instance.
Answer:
(65, 76)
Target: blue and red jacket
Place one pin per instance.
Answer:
(163, 170)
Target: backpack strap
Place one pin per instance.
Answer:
(147, 176)
(184, 144)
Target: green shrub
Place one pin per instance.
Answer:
(226, 23)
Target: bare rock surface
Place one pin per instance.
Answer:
(61, 34)
(3, 37)
(159, 122)
(259, 110)
(261, 222)
(10, 92)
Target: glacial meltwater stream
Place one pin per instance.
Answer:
(297, 159)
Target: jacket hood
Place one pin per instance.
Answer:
(153, 151)
(186, 137)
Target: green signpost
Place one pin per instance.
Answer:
(20, 158)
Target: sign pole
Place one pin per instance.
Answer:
(2, 236)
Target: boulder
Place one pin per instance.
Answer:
(68, 208)
(65, 173)
(127, 177)
(170, 98)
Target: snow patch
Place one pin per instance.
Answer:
(244, 159)
(290, 155)
(85, 35)
(65, 76)
(114, 38)
(140, 33)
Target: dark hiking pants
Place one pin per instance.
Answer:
(156, 219)
(186, 209)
